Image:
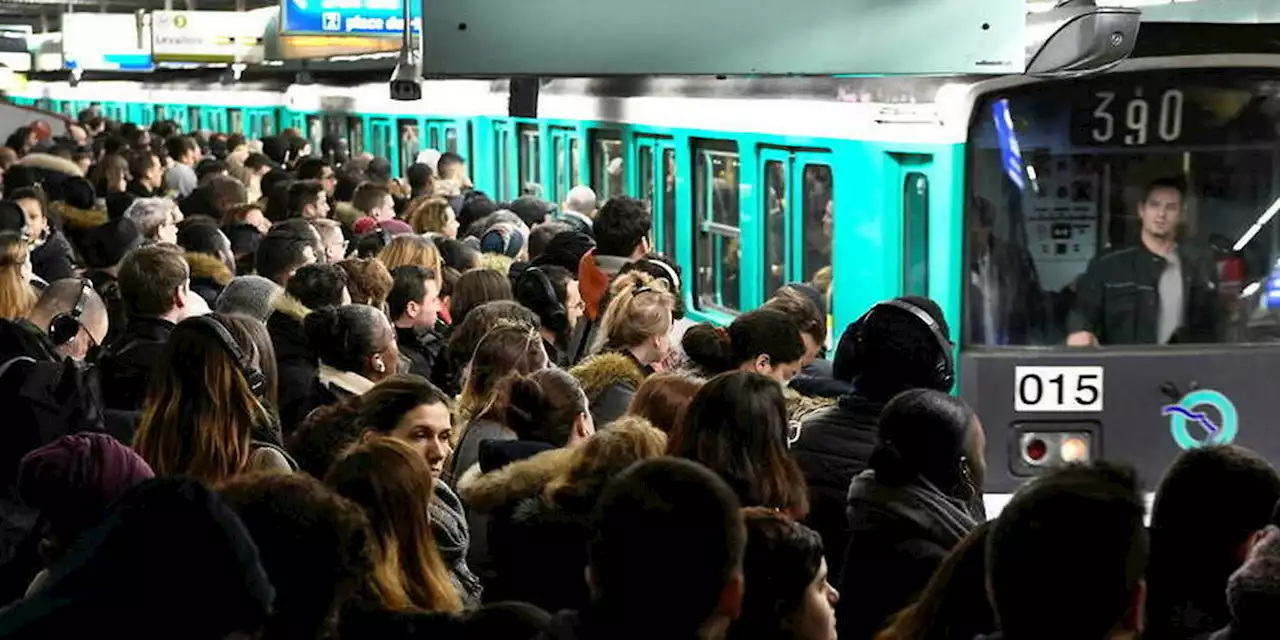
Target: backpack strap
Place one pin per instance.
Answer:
(4, 368)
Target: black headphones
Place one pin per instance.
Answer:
(943, 375)
(65, 327)
(252, 375)
(556, 317)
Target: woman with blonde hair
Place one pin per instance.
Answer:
(392, 482)
(412, 250)
(17, 297)
(432, 215)
(634, 335)
(207, 414)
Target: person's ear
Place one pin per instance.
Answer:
(730, 603)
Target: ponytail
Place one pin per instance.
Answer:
(542, 406)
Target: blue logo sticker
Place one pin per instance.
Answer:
(1193, 427)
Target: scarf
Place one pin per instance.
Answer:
(449, 526)
(947, 519)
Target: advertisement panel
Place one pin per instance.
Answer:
(209, 37)
(105, 42)
(348, 17)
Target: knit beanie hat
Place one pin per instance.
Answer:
(502, 238)
(253, 296)
(566, 250)
(73, 480)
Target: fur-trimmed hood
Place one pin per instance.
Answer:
(206, 266)
(77, 219)
(604, 370)
(290, 306)
(799, 406)
(346, 213)
(51, 163)
(485, 492)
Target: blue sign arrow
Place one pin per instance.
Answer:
(348, 17)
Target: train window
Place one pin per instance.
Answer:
(818, 222)
(717, 249)
(647, 183)
(433, 138)
(451, 139)
(669, 202)
(194, 121)
(558, 173)
(355, 136)
(315, 131)
(409, 143)
(775, 216)
(530, 174)
(266, 125)
(607, 175)
(503, 155)
(236, 120)
(575, 164)
(915, 234)
(158, 110)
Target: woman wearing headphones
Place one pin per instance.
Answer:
(551, 292)
(207, 413)
(920, 498)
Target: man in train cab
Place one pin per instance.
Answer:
(1156, 292)
(1006, 302)
(181, 177)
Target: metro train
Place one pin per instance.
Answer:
(990, 195)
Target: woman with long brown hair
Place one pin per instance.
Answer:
(663, 397)
(16, 294)
(207, 413)
(394, 485)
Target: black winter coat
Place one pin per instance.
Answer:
(54, 259)
(296, 363)
(835, 445)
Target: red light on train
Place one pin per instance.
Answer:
(1036, 450)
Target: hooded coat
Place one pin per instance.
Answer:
(209, 276)
(297, 364)
(610, 381)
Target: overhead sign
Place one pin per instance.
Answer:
(105, 42)
(575, 38)
(209, 36)
(1192, 426)
(348, 17)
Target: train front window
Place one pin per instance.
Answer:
(1127, 209)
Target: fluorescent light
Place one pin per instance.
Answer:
(1257, 225)
(1251, 289)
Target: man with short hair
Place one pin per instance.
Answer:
(289, 245)
(1091, 516)
(374, 200)
(414, 306)
(148, 174)
(181, 177)
(642, 588)
(580, 208)
(306, 200)
(155, 283)
(333, 241)
(621, 231)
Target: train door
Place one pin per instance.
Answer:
(795, 212)
(194, 119)
(608, 169)
(655, 162)
(409, 135)
(529, 180)
(235, 121)
(506, 167)
(565, 163)
(382, 143)
(314, 132)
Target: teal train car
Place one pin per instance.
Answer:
(990, 195)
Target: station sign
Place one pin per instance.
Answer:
(348, 17)
(209, 37)
(106, 42)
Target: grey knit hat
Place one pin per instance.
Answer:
(253, 296)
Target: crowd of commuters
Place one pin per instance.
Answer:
(255, 392)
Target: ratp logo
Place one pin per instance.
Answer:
(1191, 426)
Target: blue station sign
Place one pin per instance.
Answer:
(349, 17)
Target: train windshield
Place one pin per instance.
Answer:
(1127, 209)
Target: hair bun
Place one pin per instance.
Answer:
(890, 466)
(524, 403)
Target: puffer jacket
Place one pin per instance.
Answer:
(610, 381)
(209, 276)
(835, 444)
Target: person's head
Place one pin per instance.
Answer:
(667, 499)
(73, 315)
(157, 218)
(146, 168)
(546, 406)
(315, 546)
(788, 595)
(954, 604)
(332, 239)
(209, 167)
(16, 294)
(737, 426)
(466, 334)
(394, 485)
(662, 268)
(552, 293)
(764, 341)
(250, 214)
(34, 209)
(475, 207)
(408, 408)
(927, 434)
(458, 255)
(662, 398)
(896, 345)
(581, 199)
(1198, 538)
(452, 166)
(475, 288)
(320, 170)
(414, 300)
(202, 236)
(355, 338)
(374, 200)
(541, 235)
(225, 193)
(206, 399)
(419, 176)
(639, 317)
(252, 296)
(368, 281)
(182, 149)
(505, 350)
(1161, 208)
(319, 285)
(410, 249)
(73, 481)
(307, 200)
(155, 282)
(113, 174)
(807, 316)
(287, 247)
(622, 228)
(433, 215)
(1100, 503)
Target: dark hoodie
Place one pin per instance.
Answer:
(135, 575)
(1253, 593)
(126, 363)
(297, 364)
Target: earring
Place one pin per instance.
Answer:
(378, 365)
